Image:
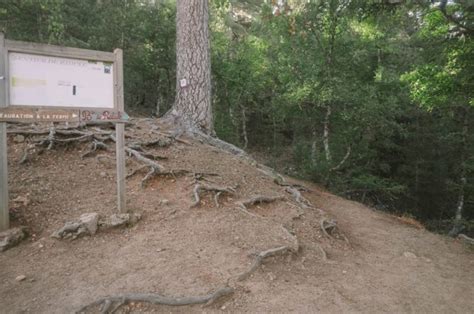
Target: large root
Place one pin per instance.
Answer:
(466, 239)
(329, 228)
(112, 303)
(302, 202)
(260, 258)
(259, 199)
(200, 188)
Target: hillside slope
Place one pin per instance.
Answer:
(182, 250)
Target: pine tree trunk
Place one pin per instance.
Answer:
(327, 150)
(457, 227)
(314, 147)
(193, 74)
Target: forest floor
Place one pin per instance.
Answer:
(387, 265)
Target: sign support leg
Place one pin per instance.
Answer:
(4, 213)
(120, 153)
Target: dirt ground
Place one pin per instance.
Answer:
(175, 250)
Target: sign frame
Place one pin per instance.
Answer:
(115, 58)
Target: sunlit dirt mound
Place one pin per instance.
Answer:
(207, 216)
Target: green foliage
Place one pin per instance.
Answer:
(394, 78)
(145, 30)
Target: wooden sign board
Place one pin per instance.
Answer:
(45, 83)
(30, 115)
(38, 115)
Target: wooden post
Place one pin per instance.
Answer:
(4, 213)
(120, 130)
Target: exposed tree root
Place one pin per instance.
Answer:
(160, 142)
(143, 159)
(234, 150)
(150, 174)
(324, 256)
(53, 137)
(245, 211)
(279, 180)
(28, 151)
(293, 238)
(112, 303)
(60, 131)
(137, 170)
(216, 199)
(260, 258)
(258, 200)
(302, 202)
(95, 145)
(329, 227)
(466, 239)
(200, 188)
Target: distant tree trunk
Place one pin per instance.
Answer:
(193, 73)
(327, 150)
(244, 127)
(314, 147)
(457, 227)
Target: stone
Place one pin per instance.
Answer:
(11, 238)
(19, 138)
(118, 220)
(90, 222)
(87, 224)
(164, 202)
(20, 278)
(103, 174)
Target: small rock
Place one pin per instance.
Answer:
(11, 237)
(20, 278)
(85, 225)
(344, 271)
(164, 202)
(409, 255)
(90, 221)
(103, 174)
(117, 220)
(19, 138)
(223, 307)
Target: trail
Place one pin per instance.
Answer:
(177, 251)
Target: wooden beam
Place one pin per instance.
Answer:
(120, 130)
(4, 212)
(59, 51)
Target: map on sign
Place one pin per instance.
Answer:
(37, 80)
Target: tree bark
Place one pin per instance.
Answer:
(193, 72)
(327, 150)
(457, 227)
(314, 147)
(244, 127)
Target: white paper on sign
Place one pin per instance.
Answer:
(37, 80)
